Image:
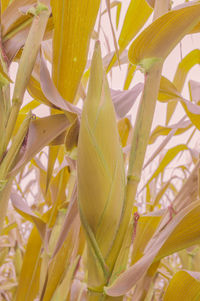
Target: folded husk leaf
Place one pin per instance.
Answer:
(101, 179)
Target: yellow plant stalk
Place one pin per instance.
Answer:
(101, 180)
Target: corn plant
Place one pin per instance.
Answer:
(87, 212)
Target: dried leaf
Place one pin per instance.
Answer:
(52, 93)
(169, 156)
(193, 112)
(164, 34)
(23, 209)
(182, 282)
(73, 23)
(180, 127)
(191, 59)
(130, 28)
(41, 132)
(124, 126)
(124, 100)
(172, 231)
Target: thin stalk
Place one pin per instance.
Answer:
(6, 184)
(144, 120)
(142, 127)
(13, 32)
(25, 68)
(6, 88)
(4, 100)
(138, 146)
(14, 149)
(2, 125)
(4, 198)
(142, 130)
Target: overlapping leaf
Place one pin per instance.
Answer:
(163, 35)
(133, 22)
(41, 132)
(191, 59)
(180, 128)
(73, 25)
(185, 285)
(183, 230)
(169, 156)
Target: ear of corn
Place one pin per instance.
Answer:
(101, 179)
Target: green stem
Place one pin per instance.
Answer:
(25, 68)
(142, 131)
(138, 149)
(144, 120)
(143, 126)
(4, 101)
(13, 32)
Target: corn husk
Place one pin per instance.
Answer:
(101, 179)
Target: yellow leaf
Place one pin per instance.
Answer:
(144, 230)
(4, 4)
(193, 112)
(161, 192)
(23, 114)
(185, 234)
(191, 59)
(163, 34)
(165, 130)
(169, 156)
(124, 126)
(167, 90)
(119, 7)
(61, 261)
(181, 232)
(23, 209)
(52, 156)
(185, 285)
(73, 26)
(30, 273)
(129, 76)
(133, 22)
